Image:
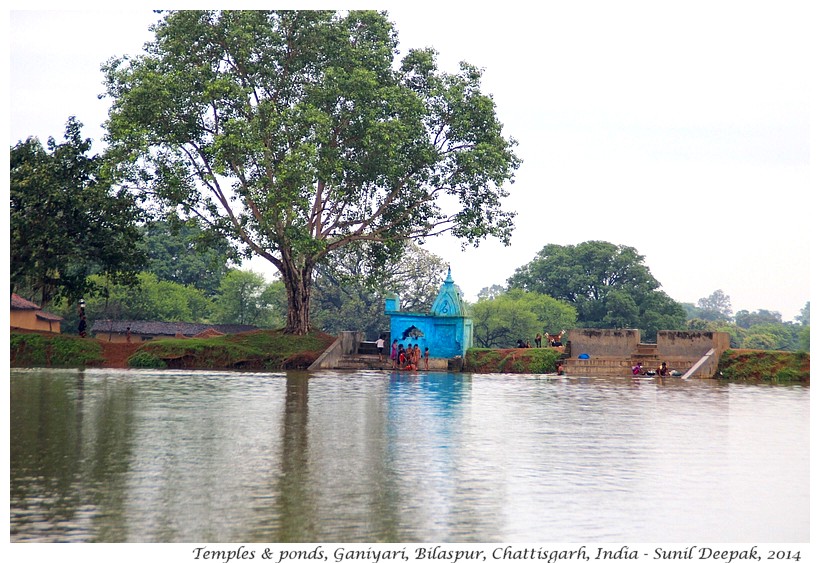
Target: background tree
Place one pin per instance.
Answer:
(718, 306)
(148, 299)
(185, 254)
(772, 336)
(67, 221)
(804, 318)
(349, 295)
(241, 299)
(608, 285)
(500, 322)
(296, 133)
(491, 292)
(745, 319)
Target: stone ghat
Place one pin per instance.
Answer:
(618, 366)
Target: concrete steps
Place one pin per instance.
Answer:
(609, 366)
(363, 361)
(371, 362)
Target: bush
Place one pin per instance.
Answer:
(54, 350)
(764, 365)
(146, 360)
(512, 360)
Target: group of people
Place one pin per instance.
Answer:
(409, 358)
(662, 370)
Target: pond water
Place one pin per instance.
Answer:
(167, 456)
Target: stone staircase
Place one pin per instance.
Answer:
(647, 354)
(365, 358)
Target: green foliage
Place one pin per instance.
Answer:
(29, 349)
(499, 323)
(804, 318)
(321, 136)
(716, 307)
(149, 299)
(608, 285)
(482, 360)
(241, 299)
(185, 254)
(745, 319)
(804, 339)
(142, 359)
(765, 366)
(263, 349)
(516, 360)
(67, 222)
(349, 294)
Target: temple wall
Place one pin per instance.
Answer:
(446, 337)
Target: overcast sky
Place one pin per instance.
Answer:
(678, 128)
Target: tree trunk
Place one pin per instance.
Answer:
(298, 283)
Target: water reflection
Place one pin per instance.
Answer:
(133, 455)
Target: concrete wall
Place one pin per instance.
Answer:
(691, 343)
(346, 344)
(603, 342)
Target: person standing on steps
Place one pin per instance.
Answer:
(380, 347)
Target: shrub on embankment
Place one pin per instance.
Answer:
(30, 349)
(764, 365)
(512, 360)
(256, 350)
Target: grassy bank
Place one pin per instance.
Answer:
(257, 350)
(764, 365)
(514, 360)
(30, 349)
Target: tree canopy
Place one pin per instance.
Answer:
(67, 222)
(608, 284)
(718, 306)
(185, 254)
(297, 133)
(502, 320)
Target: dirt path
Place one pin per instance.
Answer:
(116, 354)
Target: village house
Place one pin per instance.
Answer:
(30, 316)
(140, 331)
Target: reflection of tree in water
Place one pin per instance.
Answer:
(294, 499)
(66, 463)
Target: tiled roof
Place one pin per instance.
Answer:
(46, 316)
(18, 302)
(158, 328)
(21, 304)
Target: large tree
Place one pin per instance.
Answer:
(609, 285)
(298, 133)
(68, 221)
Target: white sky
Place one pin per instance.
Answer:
(681, 130)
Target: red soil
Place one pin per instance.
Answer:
(116, 354)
